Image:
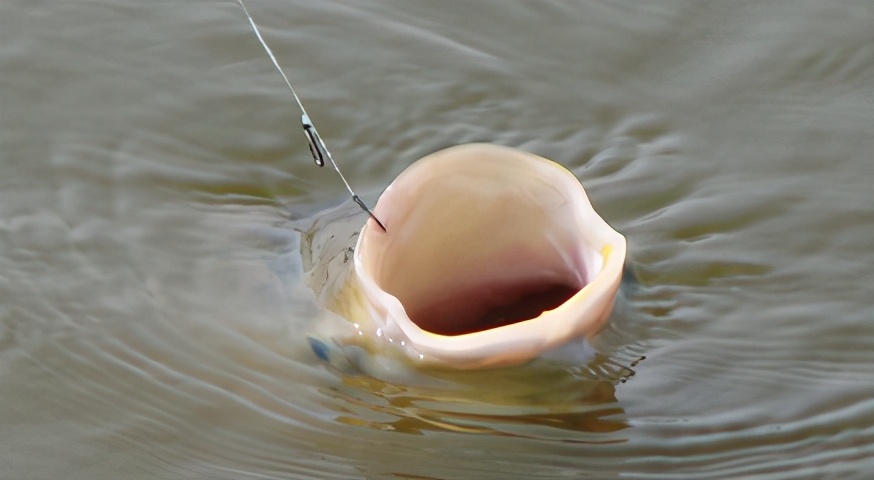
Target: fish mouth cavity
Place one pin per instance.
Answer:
(484, 290)
(471, 310)
(483, 250)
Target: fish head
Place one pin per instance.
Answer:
(492, 257)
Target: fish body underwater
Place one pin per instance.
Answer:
(491, 257)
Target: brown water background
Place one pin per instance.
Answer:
(152, 170)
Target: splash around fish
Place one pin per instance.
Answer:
(491, 257)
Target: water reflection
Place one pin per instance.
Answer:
(505, 402)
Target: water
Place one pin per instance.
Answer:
(152, 173)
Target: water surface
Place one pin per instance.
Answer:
(152, 175)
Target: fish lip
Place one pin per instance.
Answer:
(512, 344)
(583, 314)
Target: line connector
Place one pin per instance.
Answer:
(314, 140)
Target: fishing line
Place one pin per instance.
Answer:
(314, 140)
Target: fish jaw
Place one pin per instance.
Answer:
(493, 256)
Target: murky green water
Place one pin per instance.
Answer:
(151, 297)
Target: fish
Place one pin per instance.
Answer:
(485, 256)
(476, 256)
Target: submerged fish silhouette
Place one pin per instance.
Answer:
(492, 257)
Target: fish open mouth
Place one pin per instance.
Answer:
(481, 241)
